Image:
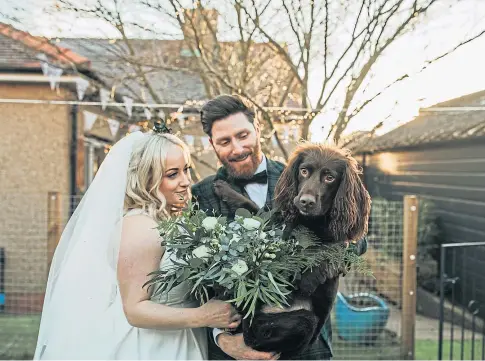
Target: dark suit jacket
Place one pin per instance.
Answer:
(208, 201)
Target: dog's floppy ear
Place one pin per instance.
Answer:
(286, 189)
(351, 206)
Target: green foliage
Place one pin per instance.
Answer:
(245, 260)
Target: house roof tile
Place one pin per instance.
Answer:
(111, 62)
(438, 125)
(18, 49)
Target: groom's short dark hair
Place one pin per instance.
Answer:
(221, 107)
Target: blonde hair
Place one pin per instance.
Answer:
(145, 173)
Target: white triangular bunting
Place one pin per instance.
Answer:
(89, 119)
(81, 86)
(133, 128)
(181, 121)
(54, 75)
(114, 125)
(286, 136)
(273, 140)
(148, 113)
(128, 104)
(189, 139)
(44, 64)
(205, 142)
(161, 114)
(104, 97)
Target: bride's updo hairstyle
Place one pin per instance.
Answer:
(146, 170)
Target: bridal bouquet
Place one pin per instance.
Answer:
(243, 261)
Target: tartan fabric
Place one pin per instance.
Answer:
(208, 201)
(204, 193)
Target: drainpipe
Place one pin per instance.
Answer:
(73, 159)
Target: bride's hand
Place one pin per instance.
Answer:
(220, 314)
(177, 208)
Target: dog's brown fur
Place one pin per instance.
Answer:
(321, 189)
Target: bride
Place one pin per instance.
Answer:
(95, 306)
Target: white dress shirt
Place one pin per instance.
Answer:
(258, 193)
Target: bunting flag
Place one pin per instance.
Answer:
(133, 128)
(89, 119)
(148, 113)
(54, 75)
(81, 86)
(104, 97)
(161, 114)
(44, 64)
(114, 125)
(189, 139)
(205, 142)
(273, 140)
(286, 136)
(296, 134)
(128, 105)
(181, 121)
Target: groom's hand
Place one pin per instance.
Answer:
(234, 346)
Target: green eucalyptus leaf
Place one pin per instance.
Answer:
(222, 221)
(244, 213)
(196, 262)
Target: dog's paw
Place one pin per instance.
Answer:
(222, 189)
(311, 279)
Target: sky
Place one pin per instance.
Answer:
(460, 73)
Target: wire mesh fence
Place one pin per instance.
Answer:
(366, 318)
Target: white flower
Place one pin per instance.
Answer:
(235, 238)
(202, 252)
(262, 235)
(240, 267)
(209, 223)
(251, 224)
(270, 255)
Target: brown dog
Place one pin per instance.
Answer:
(321, 189)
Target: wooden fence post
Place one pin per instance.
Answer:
(54, 226)
(409, 255)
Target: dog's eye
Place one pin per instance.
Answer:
(304, 172)
(329, 178)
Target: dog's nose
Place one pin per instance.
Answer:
(307, 200)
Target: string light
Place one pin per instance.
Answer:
(197, 103)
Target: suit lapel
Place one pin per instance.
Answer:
(273, 176)
(222, 175)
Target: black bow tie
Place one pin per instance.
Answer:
(261, 177)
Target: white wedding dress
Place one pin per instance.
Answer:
(82, 316)
(144, 344)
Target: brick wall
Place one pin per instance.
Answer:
(34, 159)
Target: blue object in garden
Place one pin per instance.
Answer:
(360, 317)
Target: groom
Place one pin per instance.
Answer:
(235, 137)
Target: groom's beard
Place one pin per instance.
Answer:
(247, 170)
